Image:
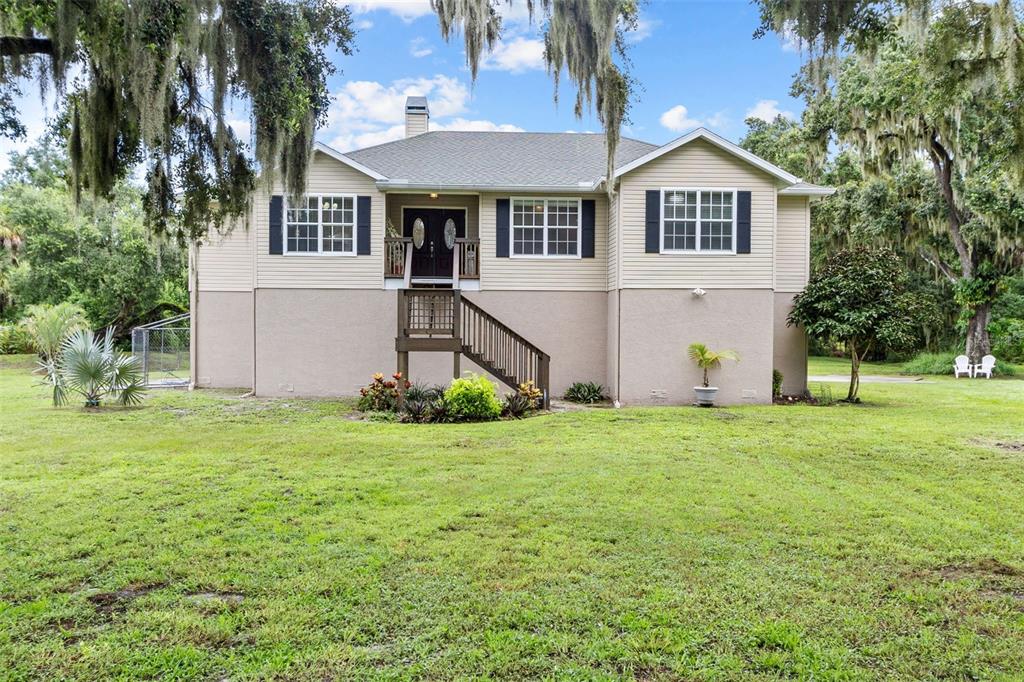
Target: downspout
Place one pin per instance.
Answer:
(193, 257)
(618, 299)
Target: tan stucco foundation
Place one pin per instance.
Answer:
(790, 353)
(223, 337)
(657, 325)
(328, 342)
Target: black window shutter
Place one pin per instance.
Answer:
(501, 250)
(743, 222)
(276, 225)
(363, 226)
(589, 210)
(652, 241)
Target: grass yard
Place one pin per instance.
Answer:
(210, 537)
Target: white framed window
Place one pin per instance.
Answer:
(698, 220)
(321, 224)
(545, 228)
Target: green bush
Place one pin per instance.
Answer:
(930, 363)
(776, 383)
(823, 395)
(586, 392)
(473, 398)
(942, 364)
(1008, 339)
(15, 338)
(516, 405)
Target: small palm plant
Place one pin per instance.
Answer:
(51, 325)
(708, 359)
(90, 366)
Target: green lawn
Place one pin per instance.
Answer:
(210, 537)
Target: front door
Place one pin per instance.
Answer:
(433, 238)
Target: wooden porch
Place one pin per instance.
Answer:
(398, 262)
(443, 320)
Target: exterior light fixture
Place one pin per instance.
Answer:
(433, 195)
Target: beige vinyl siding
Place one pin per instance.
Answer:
(613, 243)
(792, 250)
(326, 176)
(226, 261)
(556, 274)
(698, 164)
(466, 201)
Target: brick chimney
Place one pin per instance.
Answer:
(417, 116)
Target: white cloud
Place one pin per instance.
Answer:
(419, 48)
(718, 120)
(678, 119)
(516, 56)
(365, 113)
(242, 128)
(644, 28)
(406, 10)
(768, 110)
(478, 125)
(364, 25)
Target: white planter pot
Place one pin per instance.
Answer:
(705, 395)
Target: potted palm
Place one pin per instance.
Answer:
(708, 359)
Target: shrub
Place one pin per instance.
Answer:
(516, 405)
(930, 363)
(473, 397)
(533, 395)
(823, 396)
(1008, 339)
(435, 392)
(417, 391)
(380, 395)
(440, 412)
(51, 325)
(89, 366)
(414, 410)
(15, 338)
(586, 392)
(942, 364)
(776, 383)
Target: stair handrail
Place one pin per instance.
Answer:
(544, 360)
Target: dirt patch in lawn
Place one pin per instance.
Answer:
(109, 603)
(215, 597)
(983, 569)
(1017, 446)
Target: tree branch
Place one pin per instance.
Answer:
(943, 164)
(937, 263)
(14, 46)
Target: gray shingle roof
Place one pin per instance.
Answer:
(493, 159)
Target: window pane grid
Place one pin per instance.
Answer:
(321, 224)
(545, 227)
(683, 231)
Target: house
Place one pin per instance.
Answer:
(504, 253)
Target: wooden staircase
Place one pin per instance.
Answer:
(442, 320)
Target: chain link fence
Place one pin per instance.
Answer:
(162, 350)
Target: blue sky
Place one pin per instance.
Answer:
(696, 63)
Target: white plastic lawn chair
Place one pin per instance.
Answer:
(962, 365)
(988, 363)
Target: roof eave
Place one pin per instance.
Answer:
(817, 191)
(398, 185)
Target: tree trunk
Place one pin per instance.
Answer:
(851, 395)
(978, 342)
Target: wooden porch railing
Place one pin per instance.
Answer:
(466, 258)
(444, 320)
